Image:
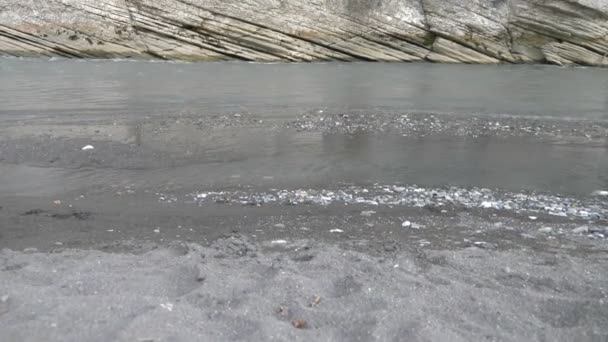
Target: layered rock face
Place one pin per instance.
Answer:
(456, 31)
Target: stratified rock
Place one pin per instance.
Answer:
(455, 31)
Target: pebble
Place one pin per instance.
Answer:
(299, 324)
(157, 230)
(278, 242)
(581, 230)
(367, 213)
(336, 231)
(484, 245)
(487, 205)
(533, 218)
(545, 230)
(423, 243)
(279, 225)
(167, 306)
(88, 147)
(406, 224)
(4, 299)
(600, 193)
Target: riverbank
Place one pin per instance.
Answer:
(236, 289)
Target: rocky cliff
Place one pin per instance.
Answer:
(456, 31)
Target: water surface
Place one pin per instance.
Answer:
(43, 93)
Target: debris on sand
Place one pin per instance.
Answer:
(315, 301)
(533, 218)
(33, 212)
(336, 231)
(600, 193)
(279, 225)
(406, 224)
(278, 242)
(545, 230)
(299, 324)
(282, 311)
(88, 147)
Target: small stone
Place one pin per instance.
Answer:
(57, 202)
(299, 323)
(279, 225)
(278, 242)
(4, 299)
(157, 230)
(533, 218)
(485, 245)
(545, 230)
(581, 230)
(88, 147)
(336, 231)
(367, 213)
(406, 224)
(600, 193)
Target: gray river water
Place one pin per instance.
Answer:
(38, 96)
(107, 87)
